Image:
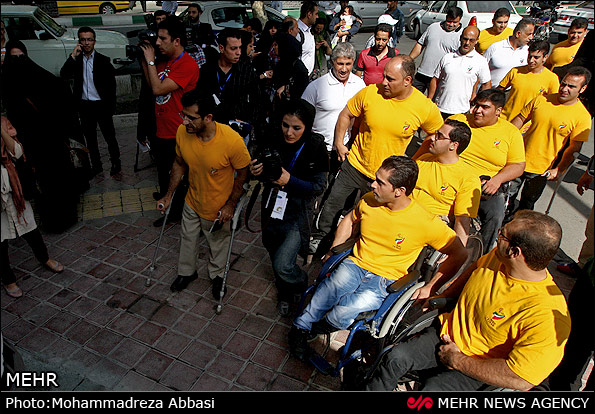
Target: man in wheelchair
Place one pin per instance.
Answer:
(393, 230)
(509, 326)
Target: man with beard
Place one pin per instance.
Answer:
(560, 124)
(453, 86)
(215, 159)
(510, 323)
(198, 33)
(371, 61)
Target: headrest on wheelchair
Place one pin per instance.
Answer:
(408, 279)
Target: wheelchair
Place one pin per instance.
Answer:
(373, 332)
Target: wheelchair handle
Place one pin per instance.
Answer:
(440, 303)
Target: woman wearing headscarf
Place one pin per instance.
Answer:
(40, 106)
(16, 217)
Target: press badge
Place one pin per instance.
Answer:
(280, 206)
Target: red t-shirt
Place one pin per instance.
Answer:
(183, 70)
(372, 68)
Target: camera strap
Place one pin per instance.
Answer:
(295, 157)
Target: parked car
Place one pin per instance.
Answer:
(93, 7)
(566, 16)
(49, 44)
(478, 12)
(222, 14)
(369, 11)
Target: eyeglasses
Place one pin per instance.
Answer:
(188, 117)
(503, 236)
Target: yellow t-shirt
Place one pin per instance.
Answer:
(498, 316)
(390, 241)
(387, 126)
(492, 147)
(442, 188)
(524, 86)
(486, 38)
(552, 125)
(211, 167)
(562, 54)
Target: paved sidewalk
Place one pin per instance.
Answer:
(99, 327)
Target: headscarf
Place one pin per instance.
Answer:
(13, 177)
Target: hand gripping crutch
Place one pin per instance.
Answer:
(559, 181)
(234, 225)
(152, 268)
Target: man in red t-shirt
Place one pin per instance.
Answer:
(175, 74)
(371, 61)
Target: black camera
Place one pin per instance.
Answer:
(144, 36)
(271, 164)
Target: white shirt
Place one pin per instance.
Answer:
(456, 76)
(89, 91)
(437, 42)
(329, 96)
(502, 57)
(308, 46)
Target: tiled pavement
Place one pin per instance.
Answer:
(100, 327)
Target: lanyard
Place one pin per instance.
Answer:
(295, 157)
(167, 68)
(219, 81)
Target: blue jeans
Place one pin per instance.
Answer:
(283, 243)
(349, 291)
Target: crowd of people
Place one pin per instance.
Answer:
(326, 133)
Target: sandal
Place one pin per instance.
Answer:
(54, 266)
(13, 290)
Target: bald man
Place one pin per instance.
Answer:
(453, 84)
(388, 113)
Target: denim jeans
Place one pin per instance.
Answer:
(349, 291)
(491, 213)
(283, 243)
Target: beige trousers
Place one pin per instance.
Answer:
(218, 243)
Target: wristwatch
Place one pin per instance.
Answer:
(151, 63)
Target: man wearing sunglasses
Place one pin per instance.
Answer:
(509, 325)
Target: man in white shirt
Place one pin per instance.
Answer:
(510, 53)
(439, 39)
(329, 94)
(453, 86)
(308, 15)
(94, 88)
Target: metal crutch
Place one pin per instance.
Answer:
(152, 268)
(234, 225)
(559, 181)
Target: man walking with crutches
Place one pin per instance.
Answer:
(215, 160)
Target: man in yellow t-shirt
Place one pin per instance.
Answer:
(510, 323)
(446, 186)
(393, 230)
(388, 113)
(498, 31)
(526, 82)
(563, 52)
(558, 121)
(496, 154)
(216, 160)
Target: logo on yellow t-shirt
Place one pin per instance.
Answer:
(497, 143)
(562, 126)
(398, 241)
(497, 315)
(214, 171)
(406, 127)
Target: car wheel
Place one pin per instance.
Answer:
(416, 30)
(107, 8)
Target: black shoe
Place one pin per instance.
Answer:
(216, 289)
(323, 327)
(182, 282)
(116, 168)
(298, 343)
(170, 219)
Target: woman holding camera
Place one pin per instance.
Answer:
(293, 164)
